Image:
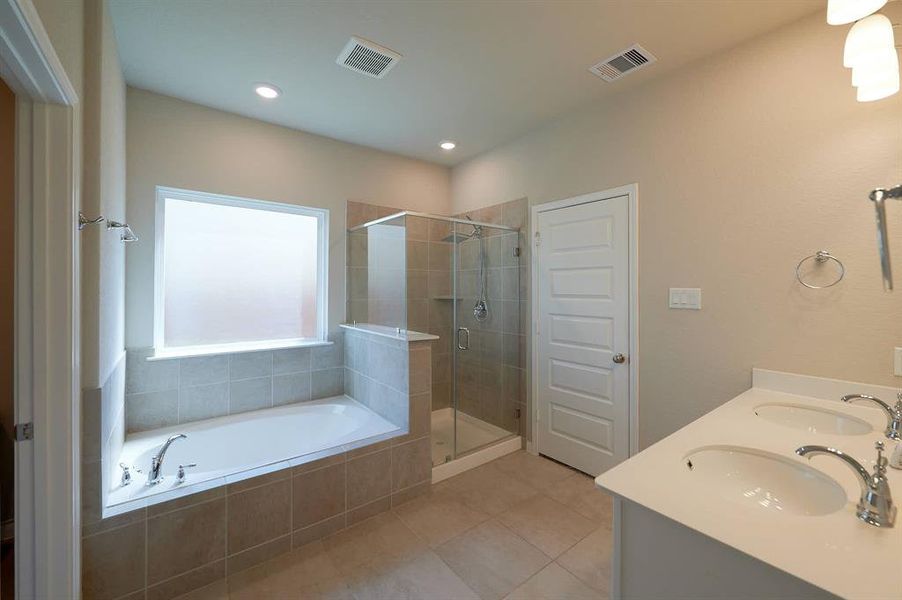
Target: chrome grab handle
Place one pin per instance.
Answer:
(460, 345)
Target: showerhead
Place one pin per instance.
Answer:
(457, 237)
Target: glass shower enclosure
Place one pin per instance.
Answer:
(459, 280)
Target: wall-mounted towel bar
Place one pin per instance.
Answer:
(127, 235)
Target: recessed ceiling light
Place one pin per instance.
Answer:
(265, 90)
(448, 145)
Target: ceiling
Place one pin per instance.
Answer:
(477, 72)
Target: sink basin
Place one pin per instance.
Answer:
(764, 481)
(813, 420)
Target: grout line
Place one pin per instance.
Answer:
(114, 528)
(199, 503)
(255, 547)
(188, 572)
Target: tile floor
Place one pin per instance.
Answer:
(521, 527)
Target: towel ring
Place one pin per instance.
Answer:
(820, 257)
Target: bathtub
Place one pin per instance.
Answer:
(236, 447)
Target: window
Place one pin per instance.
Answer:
(233, 273)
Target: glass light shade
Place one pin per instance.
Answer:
(885, 68)
(878, 90)
(867, 40)
(840, 12)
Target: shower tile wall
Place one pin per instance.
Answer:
(492, 380)
(376, 267)
(430, 299)
(161, 393)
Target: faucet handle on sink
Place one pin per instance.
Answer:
(882, 461)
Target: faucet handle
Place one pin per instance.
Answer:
(882, 461)
(180, 476)
(126, 474)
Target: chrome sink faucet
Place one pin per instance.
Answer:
(875, 507)
(893, 413)
(156, 463)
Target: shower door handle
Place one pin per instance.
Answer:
(460, 339)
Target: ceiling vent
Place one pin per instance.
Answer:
(368, 58)
(615, 67)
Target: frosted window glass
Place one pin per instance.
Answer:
(234, 274)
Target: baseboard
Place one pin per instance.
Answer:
(471, 461)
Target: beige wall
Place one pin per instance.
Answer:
(63, 21)
(179, 144)
(103, 193)
(746, 162)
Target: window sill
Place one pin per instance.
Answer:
(192, 351)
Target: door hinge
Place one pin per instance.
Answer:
(24, 431)
(538, 239)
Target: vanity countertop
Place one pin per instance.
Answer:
(836, 551)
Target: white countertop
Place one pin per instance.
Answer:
(836, 552)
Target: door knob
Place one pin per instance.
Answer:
(619, 358)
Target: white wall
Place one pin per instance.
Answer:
(746, 162)
(179, 144)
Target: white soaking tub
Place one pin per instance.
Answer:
(236, 447)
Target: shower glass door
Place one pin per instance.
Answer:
(486, 350)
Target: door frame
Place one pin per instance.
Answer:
(46, 371)
(632, 193)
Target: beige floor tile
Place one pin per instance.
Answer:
(487, 489)
(554, 583)
(590, 559)
(540, 473)
(307, 572)
(436, 518)
(548, 525)
(492, 559)
(424, 577)
(580, 494)
(378, 539)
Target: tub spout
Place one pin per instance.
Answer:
(156, 463)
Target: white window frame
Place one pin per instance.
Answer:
(322, 273)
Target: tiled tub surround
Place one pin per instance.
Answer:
(165, 392)
(171, 548)
(237, 447)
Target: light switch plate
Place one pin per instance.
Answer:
(686, 298)
(897, 361)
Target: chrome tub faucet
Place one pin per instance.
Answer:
(155, 475)
(893, 413)
(875, 507)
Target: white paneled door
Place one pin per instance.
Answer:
(583, 333)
